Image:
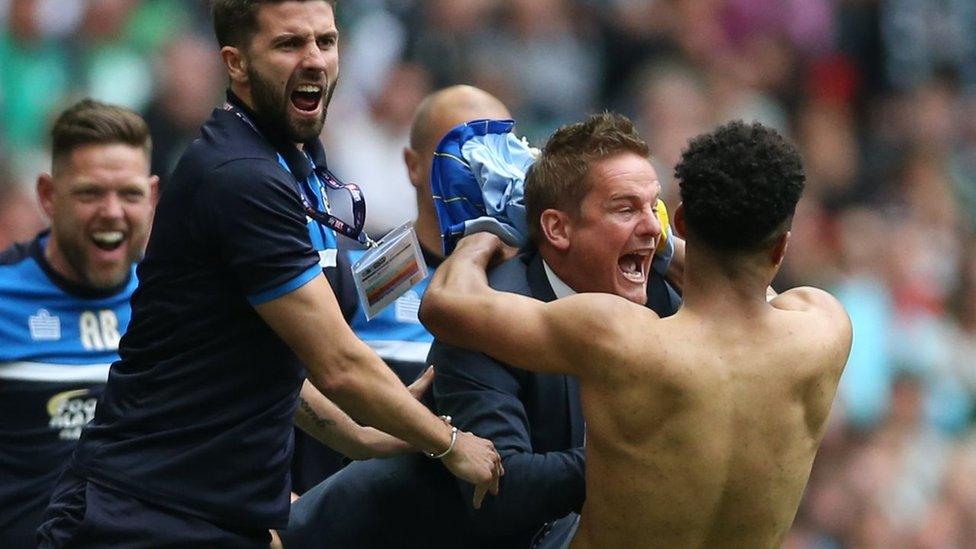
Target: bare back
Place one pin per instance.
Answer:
(701, 431)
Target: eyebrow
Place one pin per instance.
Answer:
(286, 37)
(293, 35)
(626, 196)
(87, 185)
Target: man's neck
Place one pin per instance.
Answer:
(556, 267)
(428, 230)
(559, 287)
(566, 272)
(722, 290)
(58, 263)
(244, 96)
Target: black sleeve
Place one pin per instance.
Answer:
(259, 228)
(482, 396)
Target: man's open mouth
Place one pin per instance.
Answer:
(306, 98)
(107, 240)
(634, 265)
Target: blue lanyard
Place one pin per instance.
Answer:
(354, 230)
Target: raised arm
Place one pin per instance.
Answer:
(346, 370)
(460, 309)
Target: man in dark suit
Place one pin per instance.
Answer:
(594, 234)
(602, 239)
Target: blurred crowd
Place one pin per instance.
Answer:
(879, 95)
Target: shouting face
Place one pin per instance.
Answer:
(291, 67)
(612, 239)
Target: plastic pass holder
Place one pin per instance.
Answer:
(388, 269)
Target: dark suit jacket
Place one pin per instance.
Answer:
(534, 420)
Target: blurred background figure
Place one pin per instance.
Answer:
(20, 216)
(188, 84)
(370, 145)
(880, 96)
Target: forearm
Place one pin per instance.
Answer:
(322, 419)
(450, 302)
(352, 376)
(362, 385)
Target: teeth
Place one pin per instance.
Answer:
(108, 237)
(308, 88)
(631, 266)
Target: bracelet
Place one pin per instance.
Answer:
(454, 432)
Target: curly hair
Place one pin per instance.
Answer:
(739, 186)
(557, 179)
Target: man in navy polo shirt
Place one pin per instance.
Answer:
(191, 442)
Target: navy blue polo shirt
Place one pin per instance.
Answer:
(197, 413)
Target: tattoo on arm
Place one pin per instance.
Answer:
(320, 422)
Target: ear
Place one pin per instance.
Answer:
(45, 193)
(678, 219)
(779, 250)
(236, 64)
(415, 170)
(556, 228)
(154, 189)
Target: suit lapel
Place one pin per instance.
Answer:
(538, 282)
(542, 290)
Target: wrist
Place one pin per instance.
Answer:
(445, 451)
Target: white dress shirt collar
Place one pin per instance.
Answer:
(560, 288)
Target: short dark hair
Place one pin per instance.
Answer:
(90, 122)
(235, 21)
(557, 179)
(739, 186)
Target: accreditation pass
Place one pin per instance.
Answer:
(388, 270)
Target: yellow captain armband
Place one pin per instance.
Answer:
(662, 216)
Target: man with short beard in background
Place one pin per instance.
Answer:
(64, 301)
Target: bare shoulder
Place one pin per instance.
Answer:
(809, 299)
(596, 312)
(829, 322)
(600, 328)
